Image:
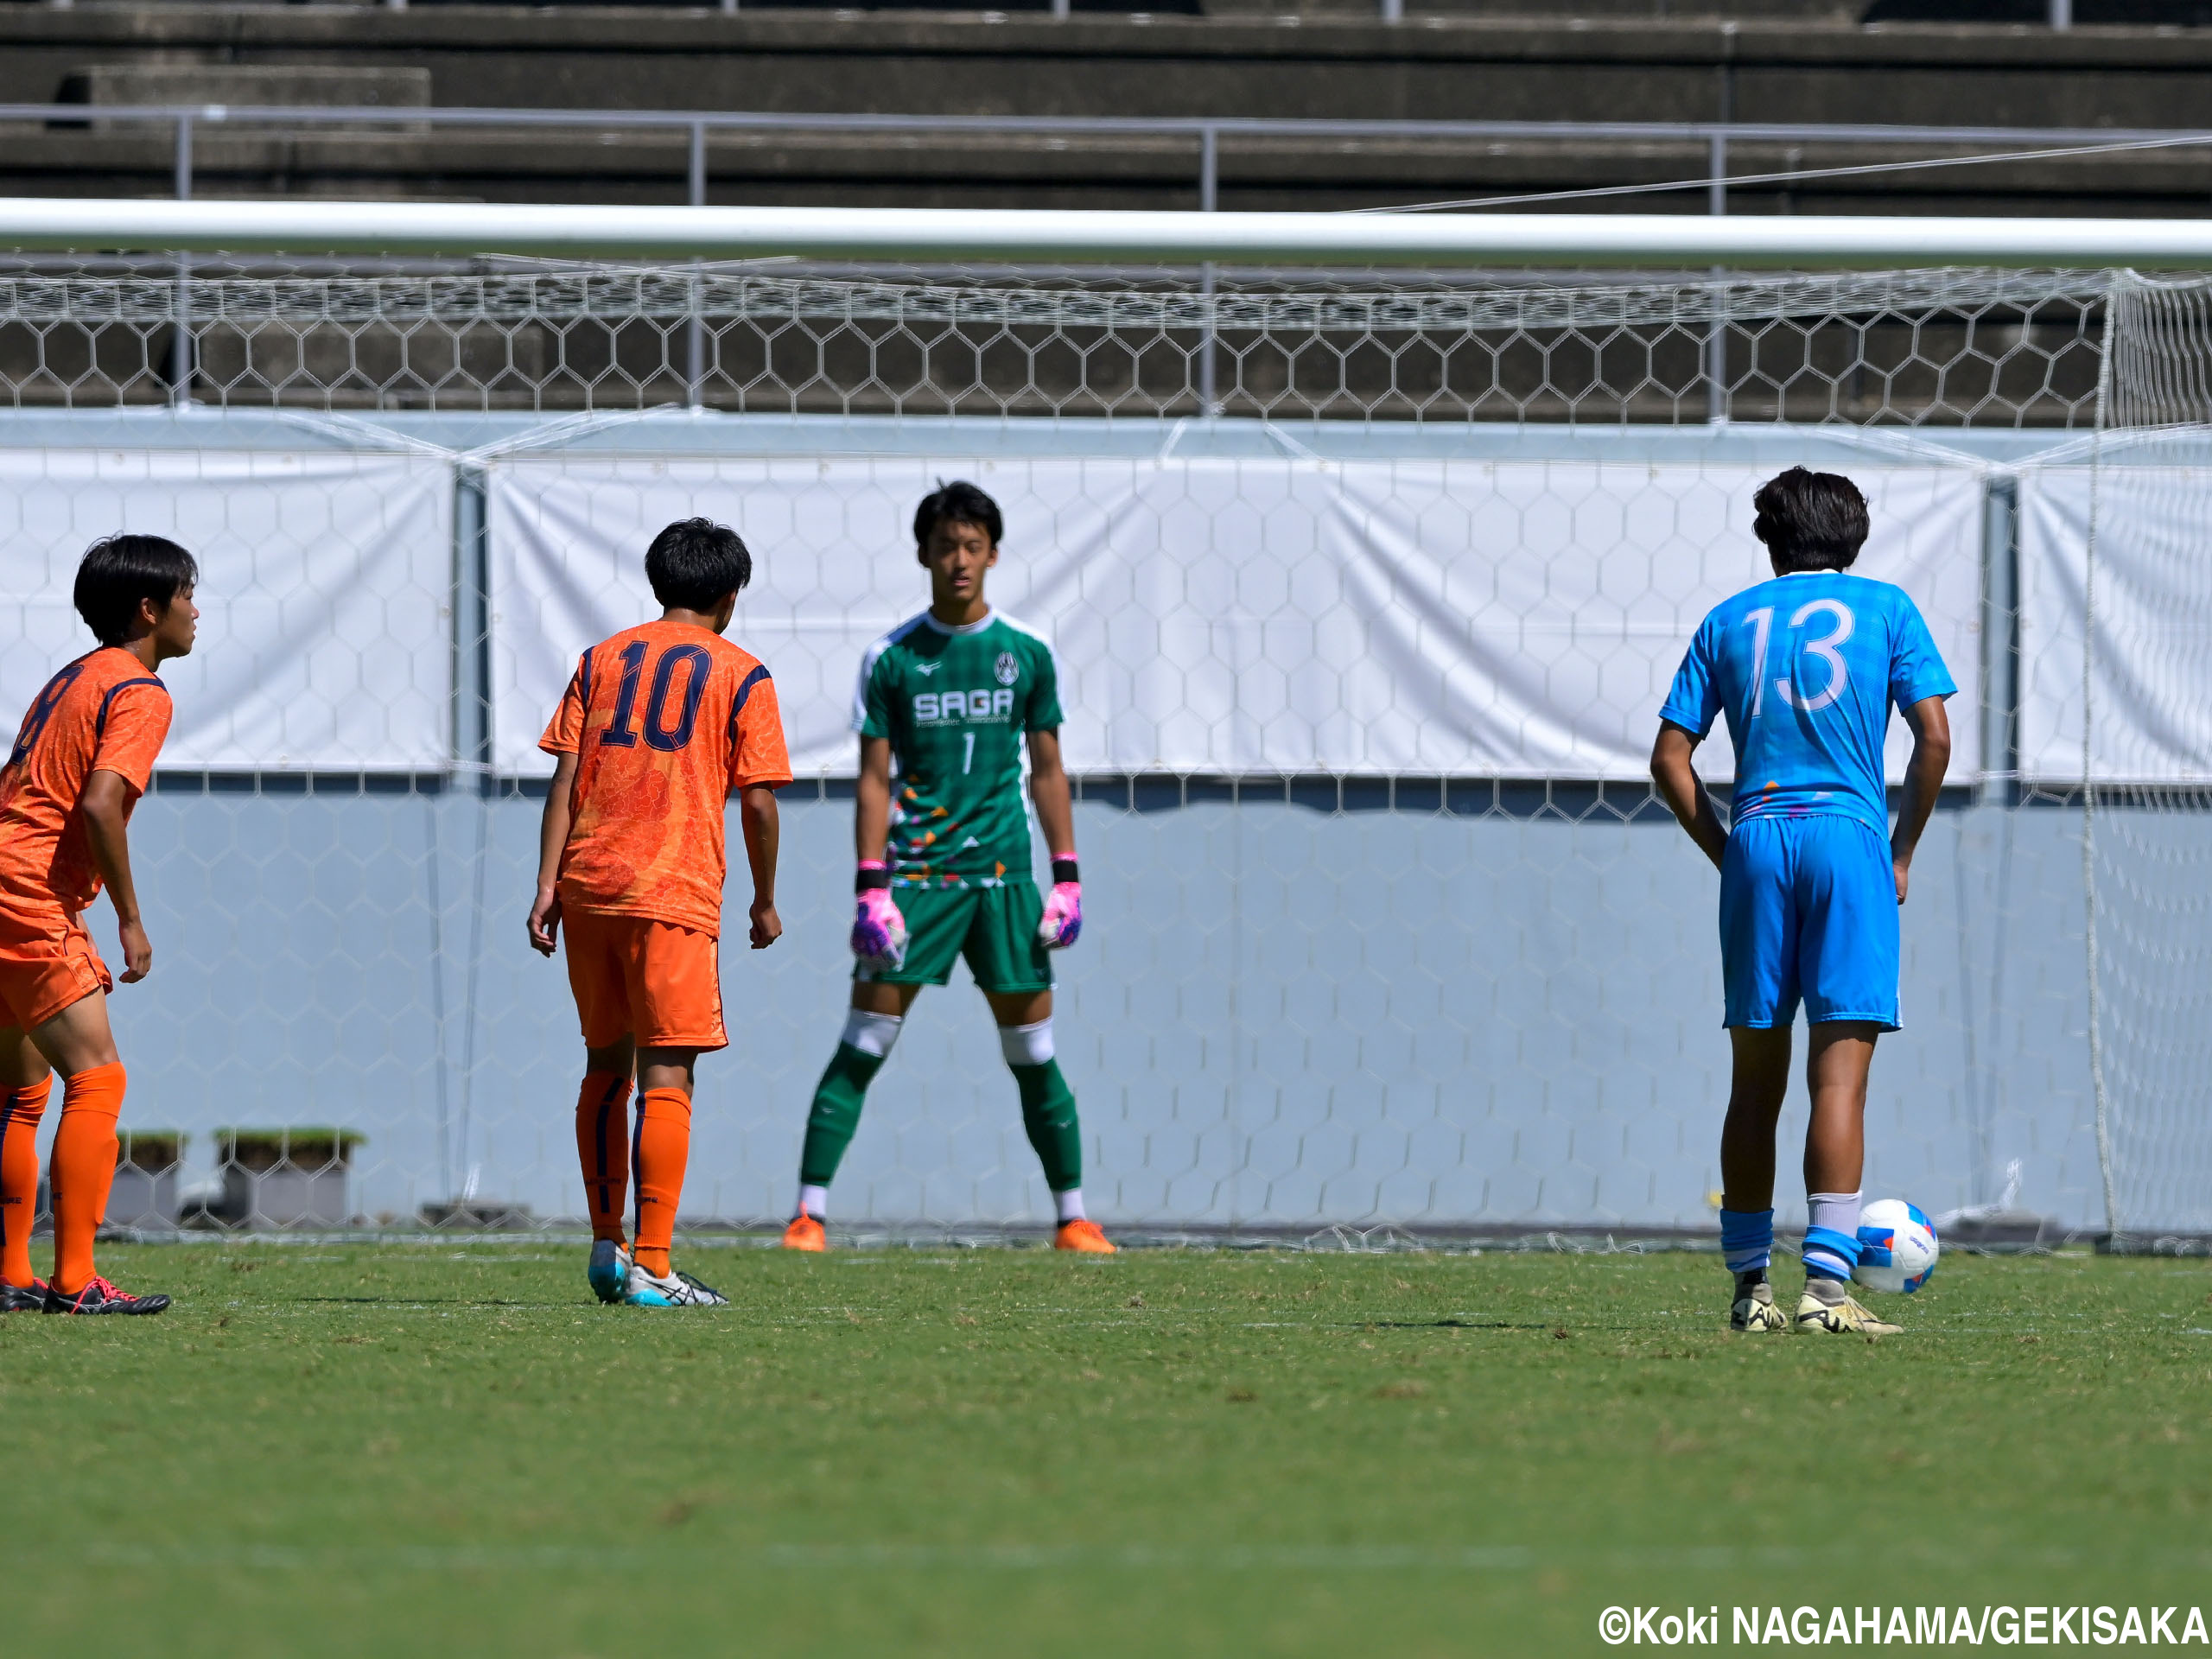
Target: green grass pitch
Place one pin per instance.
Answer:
(398, 1449)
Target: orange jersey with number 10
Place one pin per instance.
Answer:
(665, 720)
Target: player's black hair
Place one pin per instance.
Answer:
(1810, 521)
(696, 563)
(963, 503)
(118, 571)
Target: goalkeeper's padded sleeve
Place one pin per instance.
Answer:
(1063, 919)
(878, 931)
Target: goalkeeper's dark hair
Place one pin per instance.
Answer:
(696, 563)
(118, 572)
(962, 504)
(1810, 521)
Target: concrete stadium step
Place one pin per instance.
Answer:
(1621, 64)
(1435, 65)
(331, 85)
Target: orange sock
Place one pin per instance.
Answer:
(82, 1169)
(664, 1147)
(19, 1111)
(603, 1148)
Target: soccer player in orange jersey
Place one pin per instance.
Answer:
(82, 757)
(660, 726)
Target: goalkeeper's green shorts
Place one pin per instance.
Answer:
(995, 928)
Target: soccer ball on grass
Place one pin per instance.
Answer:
(1897, 1247)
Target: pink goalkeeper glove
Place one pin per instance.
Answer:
(878, 931)
(1063, 907)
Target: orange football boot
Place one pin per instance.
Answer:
(1083, 1236)
(805, 1233)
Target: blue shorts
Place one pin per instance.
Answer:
(1809, 910)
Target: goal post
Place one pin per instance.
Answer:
(1099, 236)
(1366, 580)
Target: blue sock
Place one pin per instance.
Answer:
(1828, 1254)
(1746, 1239)
(1832, 1241)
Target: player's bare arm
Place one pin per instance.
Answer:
(1048, 789)
(1930, 725)
(872, 800)
(106, 808)
(552, 837)
(1684, 792)
(756, 812)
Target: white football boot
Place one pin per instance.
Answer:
(609, 1272)
(1755, 1309)
(1827, 1306)
(678, 1290)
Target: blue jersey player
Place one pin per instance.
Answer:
(1806, 669)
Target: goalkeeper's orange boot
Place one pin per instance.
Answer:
(1083, 1236)
(806, 1233)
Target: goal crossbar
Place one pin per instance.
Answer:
(572, 232)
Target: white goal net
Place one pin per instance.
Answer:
(1365, 591)
(2138, 717)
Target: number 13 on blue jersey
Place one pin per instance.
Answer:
(1828, 648)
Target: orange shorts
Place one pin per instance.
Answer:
(47, 964)
(637, 977)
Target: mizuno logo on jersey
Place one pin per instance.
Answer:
(963, 705)
(925, 669)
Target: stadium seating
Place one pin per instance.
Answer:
(1771, 60)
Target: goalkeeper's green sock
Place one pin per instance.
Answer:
(836, 1113)
(1047, 1104)
(1048, 1113)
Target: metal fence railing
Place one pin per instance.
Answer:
(1206, 135)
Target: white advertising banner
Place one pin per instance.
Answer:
(325, 592)
(2152, 714)
(1516, 618)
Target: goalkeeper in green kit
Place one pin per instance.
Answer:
(944, 705)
